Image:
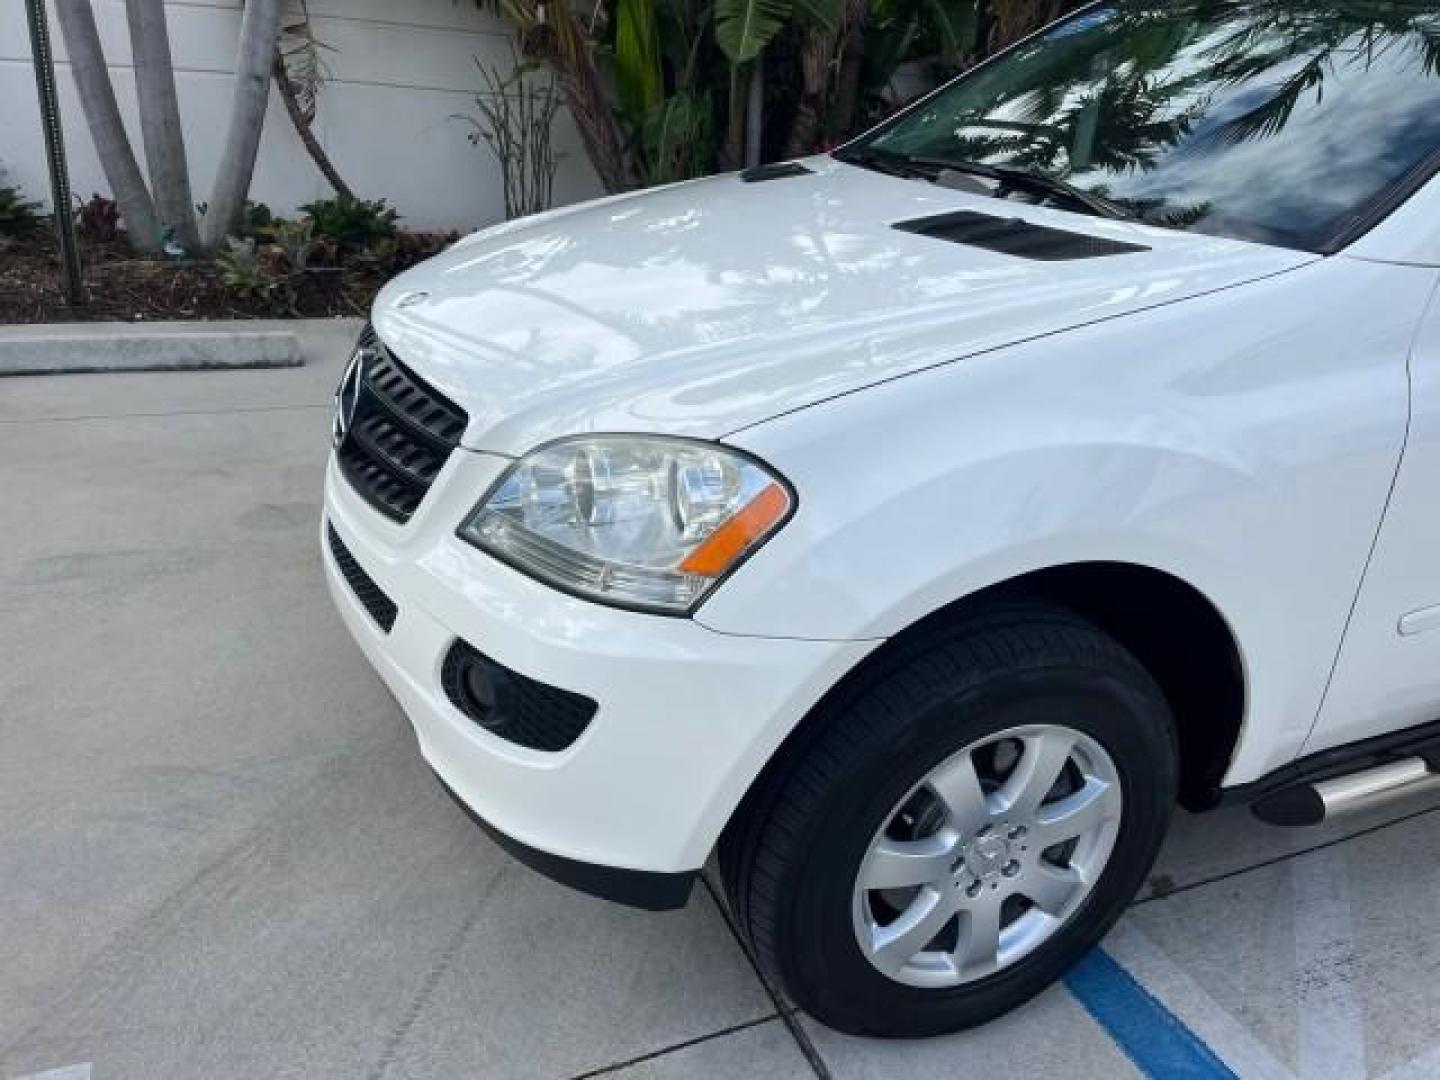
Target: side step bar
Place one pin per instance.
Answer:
(1310, 803)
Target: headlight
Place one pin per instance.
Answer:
(636, 521)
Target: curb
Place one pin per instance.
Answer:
(87, 348)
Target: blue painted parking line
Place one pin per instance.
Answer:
(1153, 1037)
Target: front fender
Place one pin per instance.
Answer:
(1246, 452)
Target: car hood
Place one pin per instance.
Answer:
(706, 307)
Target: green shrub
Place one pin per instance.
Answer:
(351, 223)
(258, 218)
(253, 222)
(243, 271)
(18, 215)
(282, 274)
(405, 249)
(296, 239)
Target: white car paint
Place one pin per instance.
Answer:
(708, 306)
(1389, 666)
(1230, 413)
(689, 715)
(1243, 442)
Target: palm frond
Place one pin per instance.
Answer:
(1427, 41)
(639, 80)
(820, 14)
(744, 27)
(299, 51)
(676, 136)
(957, 25)
(1271, 115)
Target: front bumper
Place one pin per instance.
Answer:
(687, 717)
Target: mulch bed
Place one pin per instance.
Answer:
(123, 286)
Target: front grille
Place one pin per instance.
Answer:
(399, 435)
(510, 705)
(381, 608)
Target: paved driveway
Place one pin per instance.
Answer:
(221, 856)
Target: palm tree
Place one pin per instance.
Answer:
(254, 62)
(552, 33)
(164, 141)
(299, 75)
(160, 119)
(107, 130)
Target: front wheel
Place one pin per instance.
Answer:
(972, 820)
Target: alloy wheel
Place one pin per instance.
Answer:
(988, 856)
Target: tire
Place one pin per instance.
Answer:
(999, 686)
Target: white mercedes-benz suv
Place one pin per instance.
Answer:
(917, 524)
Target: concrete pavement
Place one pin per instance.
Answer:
(220, 854)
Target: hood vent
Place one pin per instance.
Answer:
(778, 171)
(1016, 236)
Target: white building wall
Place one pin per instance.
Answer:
(399, 70)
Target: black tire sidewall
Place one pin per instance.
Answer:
(1124, 714)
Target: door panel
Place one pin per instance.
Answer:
(1388, 673)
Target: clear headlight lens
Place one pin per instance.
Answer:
(637, 521)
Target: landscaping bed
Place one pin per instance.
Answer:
(324, 264)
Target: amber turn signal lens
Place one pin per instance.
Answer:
(731, 540)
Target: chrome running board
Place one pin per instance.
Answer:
(1310, 803)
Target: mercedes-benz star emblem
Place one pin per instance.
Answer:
(346, 396)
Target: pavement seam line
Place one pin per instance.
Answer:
(1278, 859)
(640, 1059)
(786, 1014)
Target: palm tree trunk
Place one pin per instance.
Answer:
(755, 113)
(107, 130)
(816, 52)
(585, 98)
(160, 119)
(552, 33)
(306, 132)
(253, 65)
(1014, 19)
(852, 63)
(732, 150)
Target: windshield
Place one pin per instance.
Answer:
(1284, 123)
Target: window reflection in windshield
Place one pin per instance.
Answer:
(1280, 122)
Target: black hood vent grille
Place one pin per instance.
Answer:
(778, 171)
(1016, 236)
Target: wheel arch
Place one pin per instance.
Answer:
(1175, 631)
(1180, 636)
